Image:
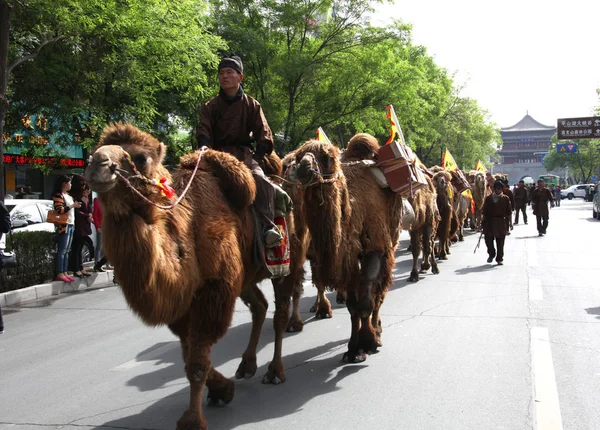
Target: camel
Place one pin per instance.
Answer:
(182, 262)
(424, 229)
(461, 209)
(479, 189)
(444, 199)
(355, 228)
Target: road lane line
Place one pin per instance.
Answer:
(150, 355)
(535, 289)
(547, 407)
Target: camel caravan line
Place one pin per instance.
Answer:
(183, 244)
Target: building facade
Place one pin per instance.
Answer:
(524, 146)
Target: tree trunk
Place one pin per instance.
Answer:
(5, 10)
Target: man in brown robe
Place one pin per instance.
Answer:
(540, 197)
(521, 198)
(496, 210)
(232, 122)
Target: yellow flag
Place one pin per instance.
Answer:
(448, 162)
(395, 130)
(321, 136)
(479, 166)
(468, 194)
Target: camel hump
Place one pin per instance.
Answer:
(235, 179)
(362, 146)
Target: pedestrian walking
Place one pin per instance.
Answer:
(64, 203)
(5, 226)
(496, 210)
(83, 224)
(557, 196)
(508, 193)
(540, 198)
(521, 196)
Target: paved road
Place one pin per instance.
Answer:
(477, 347)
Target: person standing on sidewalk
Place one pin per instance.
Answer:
(64, 203)
(5, 226)
(540, 197)
(557, 195)
(99, 258)
(521, 197)
(496, 210)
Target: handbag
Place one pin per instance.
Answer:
(57, 218)
(8, 260)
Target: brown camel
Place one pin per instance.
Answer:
(185, 266)
(479, 190)
(462, 209)
(444, 199)
(423, 230)
(355, 227)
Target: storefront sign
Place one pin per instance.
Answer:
(22, 160)
(578, 128)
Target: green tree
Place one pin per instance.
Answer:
(582, 165)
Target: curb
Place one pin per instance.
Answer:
(55, 288)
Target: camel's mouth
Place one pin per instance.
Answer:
(101, 173)
(102, 186)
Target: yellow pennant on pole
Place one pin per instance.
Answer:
(321, 136)
(395, 129)
(448, 162)
(479, 166)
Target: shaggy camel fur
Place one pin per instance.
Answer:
(185, 267)
(423, 230)
(479, 187)
(355, 227)
(462, 209)
(443, 187)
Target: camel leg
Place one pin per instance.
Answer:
(415, 247)
(371, 269)
(324, 307)
(353, 355)
(461, 233)
(428, 245)
(340, 298)
(295, 323)
(255, 300)
(315, 306)
(204, 330)
(376, 319)
(283, 291)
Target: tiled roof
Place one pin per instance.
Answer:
(528, 124)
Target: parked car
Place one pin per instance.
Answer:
(596, 204)
(30, 215)
(574, 191)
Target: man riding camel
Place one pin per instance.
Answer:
(232, 122)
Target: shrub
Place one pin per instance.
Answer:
(36, 253)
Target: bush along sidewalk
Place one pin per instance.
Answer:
(36, 253)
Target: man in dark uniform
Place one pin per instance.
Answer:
(540, 197)
(231, 122)
(508, 193)
(496, 210)
(521, 197)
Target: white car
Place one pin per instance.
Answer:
(30, 215)
(574, 191)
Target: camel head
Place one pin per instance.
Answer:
(442, 180)
(125, 151)
(362, 146)
(317, 162)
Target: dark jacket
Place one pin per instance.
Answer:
(521, 195)
(494, 214)
(228, 121)
(540, 198)
(5, 222)
(510, 196)
(83, 226)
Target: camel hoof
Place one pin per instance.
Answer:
(295, 326)
(340, 299)
(191, 422)
(313, 308)
(358, 357)
(221, 398)
(271, 378)
(445, 257)
(414, 277)
(461, 239)
(324, 314)
(379, 342)
(246, 369)
(435, 271)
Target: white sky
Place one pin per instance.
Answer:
(514, 55)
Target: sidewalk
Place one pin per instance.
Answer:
(54, 288)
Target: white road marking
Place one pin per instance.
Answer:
(150, 355)
(547, 407)
(535, 289)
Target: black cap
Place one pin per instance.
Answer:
(234, 62)
(498, 184)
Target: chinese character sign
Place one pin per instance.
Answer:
(578, 128)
